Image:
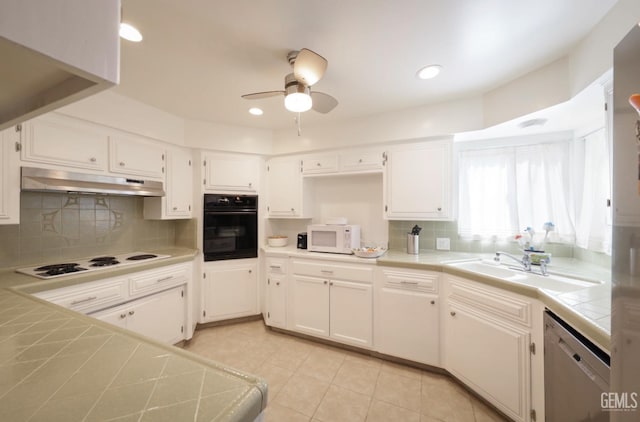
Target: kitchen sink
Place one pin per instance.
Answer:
(556, 283)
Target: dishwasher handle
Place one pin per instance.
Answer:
(577, 358)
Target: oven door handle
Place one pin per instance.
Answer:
(230, 212)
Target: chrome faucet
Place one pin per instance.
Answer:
(525, 261)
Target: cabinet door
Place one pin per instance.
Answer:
(9, 177)
(351, 312)
(417, 182)
(160, 316)
(277, 300)
(179, 184)
(230, 291)
(492, 357)
(176, 203)
(309, 305)
(408, 325)
(115, 316)
(284, 188)
(231, 173)
(136, 156)
(63, 141)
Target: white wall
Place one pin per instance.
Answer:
(215, 136)
(421, 122)
(111, 109)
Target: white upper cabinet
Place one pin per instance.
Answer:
(55, 52)
(57, 140)
(178, 199)
(136, 156)
(231, 173)
(417, 182)
(286, 197)
(9, 177)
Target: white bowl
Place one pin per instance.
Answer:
(277, 241)
(369, 252)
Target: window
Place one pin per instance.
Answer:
(504, 189)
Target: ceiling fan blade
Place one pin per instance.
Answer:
(309, 67)
(323, 103)
(259, 95)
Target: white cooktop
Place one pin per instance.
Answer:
(85, 265)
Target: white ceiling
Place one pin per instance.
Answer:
(199, 56)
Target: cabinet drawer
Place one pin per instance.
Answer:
(361, 161)
(155, 280)
(90, 296)
(319, 165)
(412, 281)
(276, 265)
(333, 270)
(490, 301)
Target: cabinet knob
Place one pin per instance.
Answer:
(439, 208)
(121, 163)
(331, 283)
(433, 302)
(175, 208)
(123, 316)
(93, 159)
(453, 313)
(325, 282)
(360, 160)
(132, 312)
(292, 209)
(249, 271)
(318, 164)
(277, 283)
(250, 184)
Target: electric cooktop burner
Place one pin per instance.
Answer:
(89, 264)
(141, 257)
(104, 261)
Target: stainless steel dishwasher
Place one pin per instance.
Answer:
(576, 373)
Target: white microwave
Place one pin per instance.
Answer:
(333, 238)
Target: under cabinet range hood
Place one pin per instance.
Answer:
(45, 180)
(55, 52)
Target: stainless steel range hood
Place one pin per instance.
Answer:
(45, 180)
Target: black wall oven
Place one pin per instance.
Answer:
(230, 227)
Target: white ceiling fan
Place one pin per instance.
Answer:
(308, 68)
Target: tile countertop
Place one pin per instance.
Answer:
(59, 365)
(587, 309)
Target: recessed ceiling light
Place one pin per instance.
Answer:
(130, 33)
(429, 72)
(255, 111)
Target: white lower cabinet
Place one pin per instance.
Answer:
(155, 303)
(333, 300)
(230, 290)
(276, 292)
(160, 316)
(407, 322)
(489, 345)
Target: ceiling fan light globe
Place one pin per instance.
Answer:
(298, 102)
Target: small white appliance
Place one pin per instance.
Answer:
(333, 238)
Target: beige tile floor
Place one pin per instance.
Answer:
(309, 381)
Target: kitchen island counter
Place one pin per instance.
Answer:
(59, 365)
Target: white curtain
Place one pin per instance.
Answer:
(593, 216)
(503, 190)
